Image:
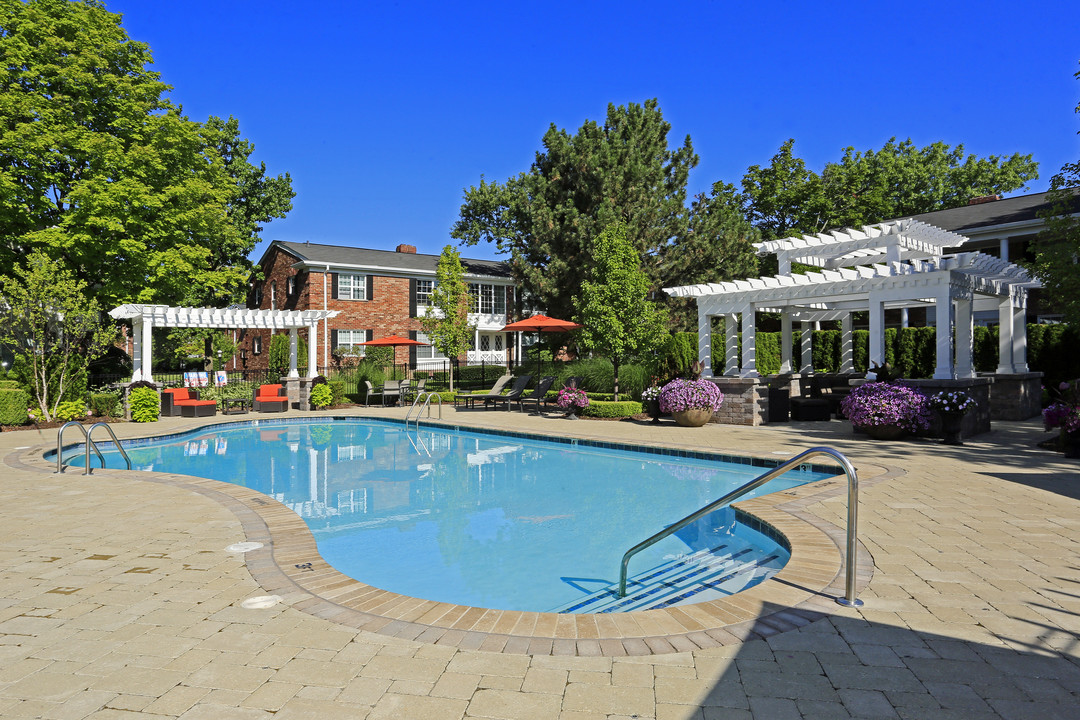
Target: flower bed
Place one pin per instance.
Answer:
(879, 404)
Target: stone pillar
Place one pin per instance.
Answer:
(965, 339)
(807, 343)
(877, 333)
(731, 344)
(749, 351)
(785, 342)
(943, 310)
(1005, 332)
(847, 345)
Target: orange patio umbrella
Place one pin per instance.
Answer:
(541, 323)
(392, 341)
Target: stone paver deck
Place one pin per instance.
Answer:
(118, 598)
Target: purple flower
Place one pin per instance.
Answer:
(572, 397)
(679, 395)
(878, 404)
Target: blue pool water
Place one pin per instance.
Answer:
(490, 520)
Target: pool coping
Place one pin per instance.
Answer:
(288, 565)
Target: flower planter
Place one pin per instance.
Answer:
(653, 408)
(885, 432)
(692, 417)
(951, 423)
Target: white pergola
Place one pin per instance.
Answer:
(144, 318)
(898, 264)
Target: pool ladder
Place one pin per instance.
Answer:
(426, 397)
(90, 445)
(849, 599)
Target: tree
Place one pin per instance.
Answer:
(618, 318)
(579, 184)
(446, 322)
(1057, 247)
(899, 180)
(109, 179)
(52, 327)
(717, 246)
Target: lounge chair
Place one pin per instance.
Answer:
(515, 392)
(186, 402)
(538, 395)
(268, 398)
(465, 396)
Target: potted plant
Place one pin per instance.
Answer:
(691, 402)
(573, 400)
(1064, 414)
(650, 398)
(951, 406)
(886, 411)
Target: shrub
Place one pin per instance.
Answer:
(13, 404)
(105, 404)
(612, 409)
(321, 396)
(9, 384)
(337, 388)
(278, 354)
(145, 404)
(878, 404)
(379, 356)
(70, 410)
(680, 395)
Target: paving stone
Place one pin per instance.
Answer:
(509, 705)
(394, 707)
(867, 704)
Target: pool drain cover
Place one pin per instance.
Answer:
(260, 602)
(244, 547)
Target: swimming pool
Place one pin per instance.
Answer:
(491, 520)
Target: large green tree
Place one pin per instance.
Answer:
(619, 321)
(1057, 248)
(900, 179)
(446, 321)
(618, 171)
(101, 173)
(52, 327)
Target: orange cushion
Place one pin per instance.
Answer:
(196, 402)
(269, 391)
(178, 394)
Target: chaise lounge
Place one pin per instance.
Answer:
(268, 398)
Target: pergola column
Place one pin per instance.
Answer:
(1005, 333)
(293, 344)
(806, 341)
(943, 322)
(147, 349)
(136, 350)
(965, 338)
(749, 350)
(1019, 336)
(313, 340)
(785, 342)
(847, 346)
(705, 342)
(731, 344)
(877, 332)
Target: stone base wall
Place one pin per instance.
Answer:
(975, 422)
(745, 401)
(299, 392)
(1016, 397)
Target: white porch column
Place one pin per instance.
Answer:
(704, 351)
(847, 345)
(147, 349)
(785, 342)
(749, 350)
(1005, 341)
(943, 311)
(1019, 336)
(293, 344)
(731, 344)
(904, 322)
(807, 343)
(1003, 252)
(313, 340)
(965, 338)
(877, 333)
(136, 350)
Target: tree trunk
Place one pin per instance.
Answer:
(208, 353)
(615, 368)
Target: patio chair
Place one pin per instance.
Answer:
(186, 402)
(466, 396)
(369, 390)
(515, 392)
(268, 398)
(415, 391)
(810, 405)
(538, 395)
(391, 389)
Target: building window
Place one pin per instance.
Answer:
(351, 340)
(256, 344)
(351, 287)
(485, 342)
(427, 352)
(423, 292)
(487, 299)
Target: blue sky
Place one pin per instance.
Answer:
(383, 113)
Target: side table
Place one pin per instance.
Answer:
(235, 406)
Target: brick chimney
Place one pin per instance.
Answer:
(983, 199)
(406, 248)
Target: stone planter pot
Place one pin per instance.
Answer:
(694, 417)
(653, 408)
(1072, 444)
(951, 423)
(885, 432)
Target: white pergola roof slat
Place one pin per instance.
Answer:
(217, 318)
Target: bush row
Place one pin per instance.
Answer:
(602, 409)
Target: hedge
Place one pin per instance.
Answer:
(9, 385)
(13, 405)
(603, 409)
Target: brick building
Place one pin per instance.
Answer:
(377, 293)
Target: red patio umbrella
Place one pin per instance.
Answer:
(541, 323)
(392, 341)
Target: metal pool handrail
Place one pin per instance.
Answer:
(90, 445)
(427, 404)
(850, 558)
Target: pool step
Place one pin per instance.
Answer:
(704, 575)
